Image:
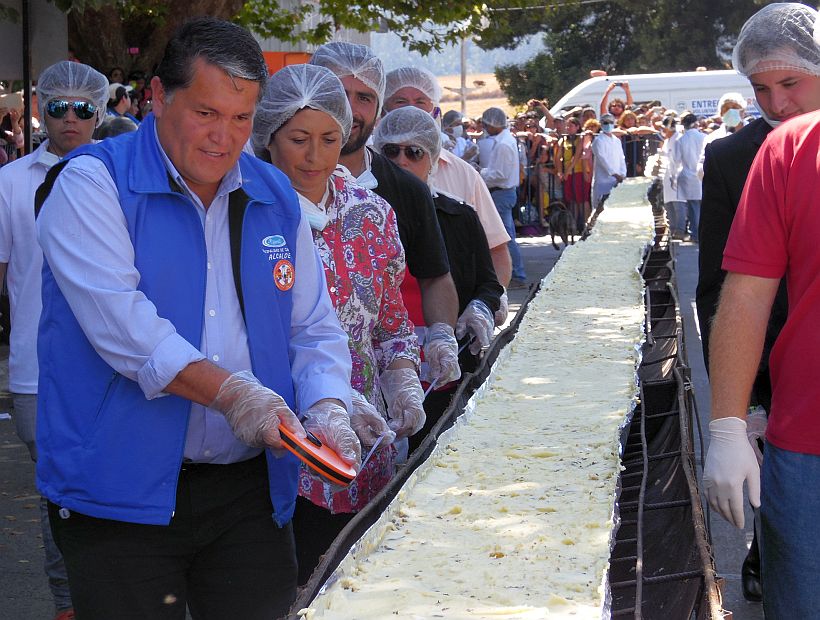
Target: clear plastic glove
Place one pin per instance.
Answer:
(730, 462)
(330, 424)
(405, 401)
(503, 310)
(441, 354)
(476, 320)
(255, 412)
(368, 422)
(756, 421)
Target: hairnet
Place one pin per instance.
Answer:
(451, 117)
(779, 36)
(352, 59)
(494, 117)
(414, 77)
(296, 87)
(409, 125)
(731, 97)
(73, 79)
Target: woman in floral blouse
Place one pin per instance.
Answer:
(303, 121)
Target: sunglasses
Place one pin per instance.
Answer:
(413, 153)
(58, 108)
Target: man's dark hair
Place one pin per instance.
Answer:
(223, 44)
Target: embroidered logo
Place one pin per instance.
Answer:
(273, 241)
(283, 275)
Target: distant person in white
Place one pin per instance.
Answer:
(609, 162)
(687, 153)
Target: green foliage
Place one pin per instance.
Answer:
(618, 36)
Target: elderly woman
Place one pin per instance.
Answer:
(302, 122)
(411, 139)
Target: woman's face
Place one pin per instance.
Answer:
(628, 122)
(572, 127)
(306, 149)
(417, 162)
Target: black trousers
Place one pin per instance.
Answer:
(222, 554)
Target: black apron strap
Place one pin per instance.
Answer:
(237, 202)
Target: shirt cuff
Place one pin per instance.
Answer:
(322, 386)
(166, 361)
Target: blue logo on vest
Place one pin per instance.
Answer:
(274, 241)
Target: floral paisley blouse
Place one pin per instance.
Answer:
(364, 266)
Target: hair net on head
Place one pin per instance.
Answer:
(451, 117)
(779, 36)
(352, 59)
(494, 117)
(733, 98)
(296, 87)
(409, 125)
(414, 77)
(73, 79)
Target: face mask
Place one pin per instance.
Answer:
(607, 127)
(731, 118)
(458, 131)
(317, 218)
(772, 123)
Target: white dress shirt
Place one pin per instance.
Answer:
(688, 155)
(502, 169)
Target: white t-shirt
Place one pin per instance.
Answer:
(19, 248)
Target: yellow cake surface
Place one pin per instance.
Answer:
(511, 516)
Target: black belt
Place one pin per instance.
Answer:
(500, 189)
(204, 468)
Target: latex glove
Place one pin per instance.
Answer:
(368, 422)
(503, 310)
(441, 354)
(405, 401)
(756, 421)
(255, 412)
(730, 462)
(330, 424)
(477, 320)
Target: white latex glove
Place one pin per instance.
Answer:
(405, 401)
(730, 462)
(368, 422)
(330, 423)
(756, 421)
(255, 412)
(441, 354)
(503, 310)
(477, 320)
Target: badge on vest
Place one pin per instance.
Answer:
(283, 275)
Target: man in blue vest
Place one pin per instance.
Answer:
(185, 319)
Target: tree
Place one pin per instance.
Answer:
(617, 36)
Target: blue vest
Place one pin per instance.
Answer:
(104, 449)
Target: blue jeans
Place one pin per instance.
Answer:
(504, 200)
(693, 209)
(676, 214)
(790, 549)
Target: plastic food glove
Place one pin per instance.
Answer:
(476, 320)
(255, 412)
(368, 422)
(405, 401)
(330, 424)
(441, 354)
(503, 310)
(730, 462)
(756, 421)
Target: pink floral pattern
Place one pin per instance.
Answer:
(364, 266)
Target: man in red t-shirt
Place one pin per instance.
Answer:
(775, 234)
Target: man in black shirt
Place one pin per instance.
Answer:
(362, 74)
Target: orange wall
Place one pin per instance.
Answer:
(277, 60)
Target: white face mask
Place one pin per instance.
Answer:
(772, 123)
(607, 127)
(458, 131)
(315, 216)
(731, 118)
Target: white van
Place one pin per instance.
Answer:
(697, 91)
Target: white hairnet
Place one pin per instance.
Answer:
(73, 79)
(414, 77)
(409, 125)
(731, 97)
(296, 87)
(494, 117)
(779, 36)
(352, 59)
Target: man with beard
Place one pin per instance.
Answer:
(362, 75)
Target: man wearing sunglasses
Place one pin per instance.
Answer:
(72, 100)
(185, 320)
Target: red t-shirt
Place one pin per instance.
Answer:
(777, 231)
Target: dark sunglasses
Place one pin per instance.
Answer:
(58, 108)
(413, 153)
